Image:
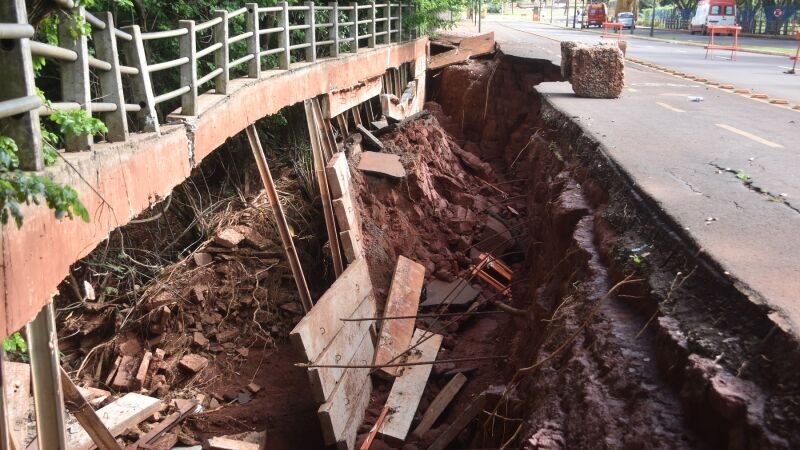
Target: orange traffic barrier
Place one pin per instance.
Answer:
(612, 30)
(723, 29)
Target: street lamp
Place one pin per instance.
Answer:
(653, 18)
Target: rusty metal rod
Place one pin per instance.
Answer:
(423, 316)
(380, 366)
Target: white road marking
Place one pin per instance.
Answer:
(671, 108)
(750, 136)
(632, 89)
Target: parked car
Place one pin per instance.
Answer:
(626, 19)
(713, 12)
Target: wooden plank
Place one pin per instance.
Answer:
(221, 443)
(342, 348)
(16, 378)
(346, 404)
(86, 416)
(439, 404)
(369, 138)
(280, 218)
(338, 175)
(444, 439)
(47, 397)
(317, 146)
(117, 417)
(351, 245)
(345, 212)
(408, 388)
(318, 328)
(468, 47)
(403, 300)
(339, 101)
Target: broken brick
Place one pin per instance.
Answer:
(199, 339)
(193, 363)
(228, 238)
(225, 336)
(141, 374)
(202, 259)
(254, 388)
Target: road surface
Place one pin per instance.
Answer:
(724, 169)
(758, 72)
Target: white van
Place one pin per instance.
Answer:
(713, 12)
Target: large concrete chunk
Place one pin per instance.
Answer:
(385, 164)
(597, 71)
(567, 47)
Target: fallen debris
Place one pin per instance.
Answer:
(228, 238)
(369, 138)
(408, 387)
(223, 443)
(403, 299)
(457, 292)
(85, 414)
(440, 403)
(465, 48)
(374, 430)
(193, 363)
(596, 71)
(117, 417)
(452, 430)
(385, 164)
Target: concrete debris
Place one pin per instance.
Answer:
(457, 292)
(462, 49)
(385, 164)
(228, 238)
(199, 339)
(596, 71)
(202, 259)
(254, 388)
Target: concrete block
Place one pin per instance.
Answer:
(597, 71)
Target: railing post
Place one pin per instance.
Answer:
(311, 33)
(283, 38)
(372, 27)
(222, 56)
(253, 45)
(354, 19)
(15, 59)
(189, 69)
(46, 378)
(141, 86)
(400, 21)
(105, 46)
(388, 27)
(75, 75)
(334, 27)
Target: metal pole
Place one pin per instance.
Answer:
(552, 2)
(574, 12)
(566, 14)
(635, 15)
(480, 12)
(653, 18)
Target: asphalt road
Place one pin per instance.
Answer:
(757, 72)
(693, 158)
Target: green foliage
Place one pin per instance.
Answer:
(77, 122)
(15, 344)
(740, 174)
(636, 259)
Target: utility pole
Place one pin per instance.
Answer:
(552, 2)
(566, 13)
(480, 11)
(635, 15)
(653, 18)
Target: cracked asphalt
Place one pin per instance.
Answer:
(685, 156)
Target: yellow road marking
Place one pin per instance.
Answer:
(750, 136)
(671, 108)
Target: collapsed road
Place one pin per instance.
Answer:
(503, 285)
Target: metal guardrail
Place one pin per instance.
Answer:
(304, 33)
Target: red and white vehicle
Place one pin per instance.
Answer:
(594, 15)
(713, 13)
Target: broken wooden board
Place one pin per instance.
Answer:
(368, 138)
(468, 47)
(385, 164)
(124, 413)
(408, 388)
(440, 403)
(339, 101)
(338, 175)
(457, 292)
(403, 300)
(342, 348)
(466, 416)
(223, 443)
(351, 245)
(343, 413)
(19, 402)
(345, 213)
(318, 328)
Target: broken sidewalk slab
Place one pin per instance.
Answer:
(467, 47)
(403, 300)
(457, 292)
(385, 164)
(117, 417)
(407, 389)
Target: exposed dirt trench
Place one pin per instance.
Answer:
(617, 334)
